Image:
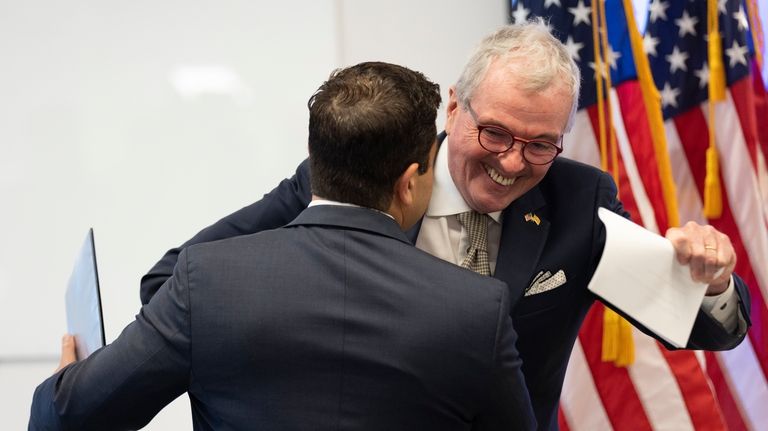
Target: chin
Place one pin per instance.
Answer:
(494, 201)
(488, 206)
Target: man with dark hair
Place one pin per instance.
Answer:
(535, 213)
(329, 322)
(350, 139)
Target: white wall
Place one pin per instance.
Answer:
(150, 120)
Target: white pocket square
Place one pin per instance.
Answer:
(545, 281)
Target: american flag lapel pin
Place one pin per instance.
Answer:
(533, 217)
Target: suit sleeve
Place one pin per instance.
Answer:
(708, 333)
(125, 384)
(508, 406)
(275, 209)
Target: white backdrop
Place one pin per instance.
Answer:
(150, 120)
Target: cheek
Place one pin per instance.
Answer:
(476, 157)
(467, 153)
(465, 161)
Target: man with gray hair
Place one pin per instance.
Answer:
(505, 205)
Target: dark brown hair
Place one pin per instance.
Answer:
(367, 123)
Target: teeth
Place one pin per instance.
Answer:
(497, 177)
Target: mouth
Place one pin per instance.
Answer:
(497, 177)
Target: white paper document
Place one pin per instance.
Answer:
(84, 318)
(639, 274)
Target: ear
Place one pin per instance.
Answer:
(451, 109)
(404, 186)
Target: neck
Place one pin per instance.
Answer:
(399, 214)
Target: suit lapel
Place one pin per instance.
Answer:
(524, 232)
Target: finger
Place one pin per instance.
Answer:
(681, 245)
(697, 260)
(704, 260)
(714, 258)
(697, 267)
(726, 260)
(718, 273)
(68, 351)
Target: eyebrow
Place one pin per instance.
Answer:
(497, 124)
(545, 137)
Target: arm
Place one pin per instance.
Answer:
(708, 331)
(275, 209)
(508, 405)
(125, 384)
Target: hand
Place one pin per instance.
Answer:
(707, 251)
(68, 354)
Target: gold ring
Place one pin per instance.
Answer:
(710, 247)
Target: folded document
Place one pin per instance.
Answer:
(640, 275)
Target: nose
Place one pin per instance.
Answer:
(512, 160)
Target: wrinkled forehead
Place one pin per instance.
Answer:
(529, 75)
(501, 99)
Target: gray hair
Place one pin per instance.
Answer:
(543, 60)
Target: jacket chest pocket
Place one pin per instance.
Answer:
(546, 291)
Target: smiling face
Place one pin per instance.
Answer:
(489, 182)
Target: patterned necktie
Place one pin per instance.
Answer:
(476, 225)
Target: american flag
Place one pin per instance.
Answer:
(661, 389)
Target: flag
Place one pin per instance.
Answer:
(680, 68)
(659, 165)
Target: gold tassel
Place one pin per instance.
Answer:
(713, 200)
(618, 345)
(610, 335)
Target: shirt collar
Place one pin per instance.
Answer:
(446, 199)
(321, 201)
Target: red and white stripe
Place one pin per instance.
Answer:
(680, 390)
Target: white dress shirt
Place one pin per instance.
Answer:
(442, 235)
(320, 201)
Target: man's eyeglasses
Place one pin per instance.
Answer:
(497, 140)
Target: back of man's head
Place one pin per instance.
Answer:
(367, 124)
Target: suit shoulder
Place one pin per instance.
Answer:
(231, 246)
(564, 167)
(567, 174)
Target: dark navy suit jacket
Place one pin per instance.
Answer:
(333, 322)
(569, 237)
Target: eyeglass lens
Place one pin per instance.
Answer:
(497, 140)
